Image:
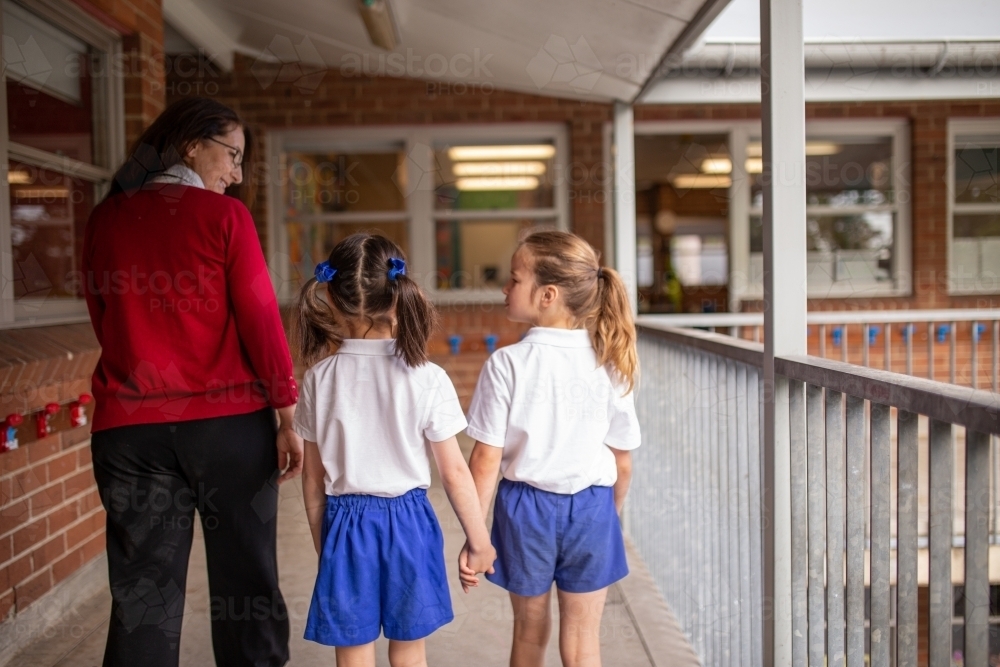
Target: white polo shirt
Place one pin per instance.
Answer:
(373, 418)
(554, 411)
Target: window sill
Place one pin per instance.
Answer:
(757, 293)
(44, 364)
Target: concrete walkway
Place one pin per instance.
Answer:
(637, 630)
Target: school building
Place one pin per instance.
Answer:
(638, 128)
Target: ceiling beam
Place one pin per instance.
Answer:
(203, 31)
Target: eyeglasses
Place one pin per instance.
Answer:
(236, 153)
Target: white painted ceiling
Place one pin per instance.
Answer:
(586, 49)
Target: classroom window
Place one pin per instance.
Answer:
(457, 199)
(853, 212)
(63, 137)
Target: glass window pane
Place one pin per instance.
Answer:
(840, 171)
(975, 251)
(475, 254)
(494, 177)
(699, 259)
(343, 182)
(976, 226)
(310, 243)
(49, 90)
(850, 250)
(48, 212)
(976, 170)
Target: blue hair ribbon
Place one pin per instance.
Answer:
(324, 272)
(397, 267)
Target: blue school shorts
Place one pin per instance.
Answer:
(381, 568)
(574, 540)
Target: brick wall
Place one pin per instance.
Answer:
(51, 520)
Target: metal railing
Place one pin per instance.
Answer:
(884, 338)
(859, 506)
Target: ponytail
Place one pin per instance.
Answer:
(613, 333)
(315, 329)
(416, 319)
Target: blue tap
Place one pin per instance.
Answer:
(455, 342)
(491, 343)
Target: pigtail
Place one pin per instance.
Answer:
(315, 331)
(613, 331)
(416, 319)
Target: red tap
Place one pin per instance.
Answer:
(43, 420)
(77, 411)
(8, 432)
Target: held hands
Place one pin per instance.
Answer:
(472, 561)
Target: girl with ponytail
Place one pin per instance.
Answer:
(371, 409)
(555, 415)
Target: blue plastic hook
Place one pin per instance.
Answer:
(491, 343)
(455, 342)
(873, 332)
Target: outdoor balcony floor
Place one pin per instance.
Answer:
(637, 629)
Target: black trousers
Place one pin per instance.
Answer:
(152, 478)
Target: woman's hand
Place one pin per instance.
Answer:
(289, 445)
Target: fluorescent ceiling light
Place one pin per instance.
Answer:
(699, 181)
(377, 16)
(498, 183)
(498, 168)
(754, 165)
(716, 165)
(813, 149)
(18, 177)
(528, 152)
(42, 193)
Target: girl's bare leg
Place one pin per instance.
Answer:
(580, 628)
(532, 627)
(356, 656)
(407, 654)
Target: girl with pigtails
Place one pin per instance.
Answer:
(372, 411)
(555, 415)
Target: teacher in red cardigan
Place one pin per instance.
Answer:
(194, 392)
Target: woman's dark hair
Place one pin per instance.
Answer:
(165, 142)
(361, 288)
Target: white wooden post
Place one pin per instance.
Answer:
(623, 149)
(784, 218)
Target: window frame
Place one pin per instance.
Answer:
(740, 134)
(956, 127)
(418, 143)
(109, 149)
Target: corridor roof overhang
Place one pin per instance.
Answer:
(836, 70)
(581, 49)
